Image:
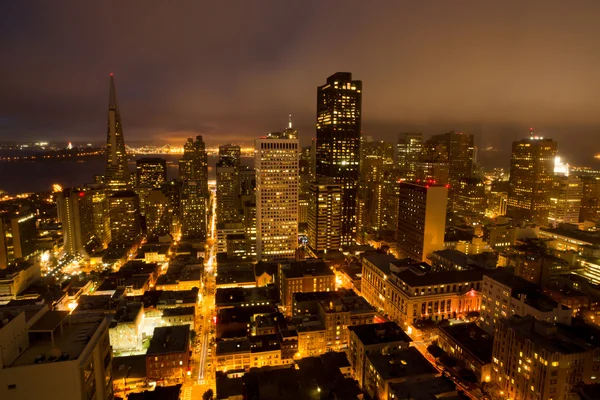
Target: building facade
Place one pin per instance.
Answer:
(339, 116)
(421, 219)
(276, 163)
(324, 216)
(531, 179)
(116, 175)
(151, 171)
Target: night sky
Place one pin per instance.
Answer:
(234, 70)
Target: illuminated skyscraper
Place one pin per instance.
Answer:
(116, 175)
(531, 179)
(469, 198)
(276, 163)
(339, 111)
(421, 219)
(125, 226)
(194, 164)
(193, 210)
(158, 214)
(408, 152)
(324, 216)
(18, 235)
(151, 171)
(230, 155)
(376, 159)
(228, 183)
(76, 214)
(565, 200)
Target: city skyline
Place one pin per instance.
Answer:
(501, 81)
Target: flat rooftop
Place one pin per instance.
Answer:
(401, 364)
(472, 338)
(555, 338)
(386, 332)
(413, 278)
(68, 344)
(178, 311)
(170, 339)
(428, 389)
(132, 367)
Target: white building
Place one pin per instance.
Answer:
(277, 174)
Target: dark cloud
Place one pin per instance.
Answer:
(234, 70)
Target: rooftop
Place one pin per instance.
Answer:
(132, 367)
(571, 232)
(471, 338)
(401, 364)
(257, 295)
(127, 313)
(160, 393)
(64, 344)
(177, 311)
(428, 389)
(386, 332)
(299, 269)
(170, 339)
(233, 346)
(558, 338)
(413, 278)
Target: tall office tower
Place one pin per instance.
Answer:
(228, 183)
(565, 200)
(125, 226)
(247, 181)
(158, 214)
(460, 149)
(531, 179)
(469, 198)
(408, 152)
(305, 170)
(276, 163)
(230, 155)
(116, 175)
(249, 210)
(194, 164)
(151, 171)
(433, 163)
(18, 235)
(101, 215)
(376, 159)
(590, 200)
(76, 214)
(324, 216)
(339, 109)
(390, 204)
(421, 219)
(193, 210)
(186, 164)
(173, 191)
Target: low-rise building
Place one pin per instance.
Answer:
(15, 279)
(303, 276)
(505, 295)
(470, 345)
(126, 327)
(168, 356)
(405, 292)
(403, 365)
(535, 359)
(246, 297)
(179, 316)
(370, 339)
